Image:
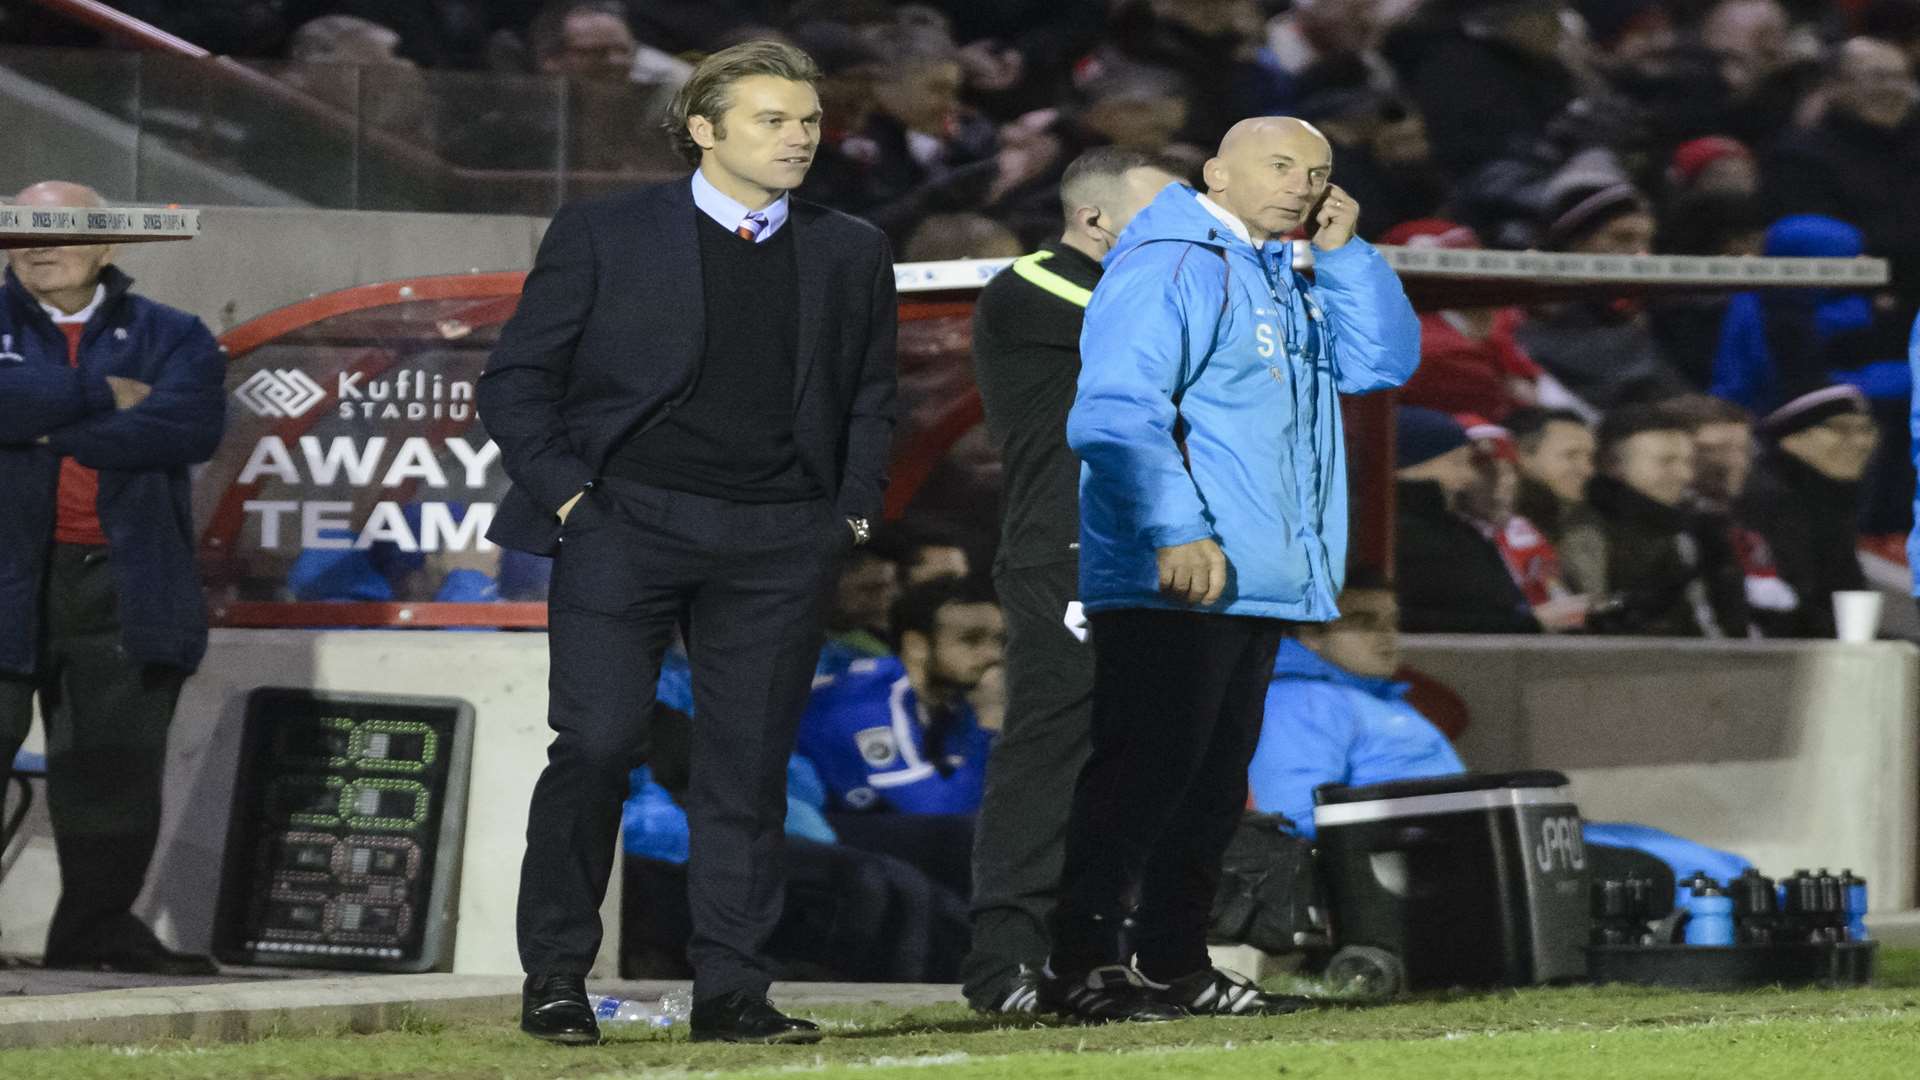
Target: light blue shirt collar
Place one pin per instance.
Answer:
(730, 211)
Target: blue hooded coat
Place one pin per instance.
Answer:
(1326, 725)
(1208, 407)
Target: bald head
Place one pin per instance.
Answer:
(1257, 131)
(1269, 172)
(59, 193)
(64, 277)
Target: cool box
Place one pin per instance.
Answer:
(1475, 880)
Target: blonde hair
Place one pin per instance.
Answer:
(709, 92)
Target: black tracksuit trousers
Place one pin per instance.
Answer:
(1178, 700)
(1021, 835)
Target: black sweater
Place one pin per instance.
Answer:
(732, 438)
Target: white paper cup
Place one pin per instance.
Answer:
(1856, 614)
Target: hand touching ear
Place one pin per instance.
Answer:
(1336, 219)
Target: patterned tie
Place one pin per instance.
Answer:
(751, 228)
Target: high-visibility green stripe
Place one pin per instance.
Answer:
(1029, 268)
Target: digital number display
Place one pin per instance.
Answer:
(337, 824)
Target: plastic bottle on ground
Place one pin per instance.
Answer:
(613, 1012)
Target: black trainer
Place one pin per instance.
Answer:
(554, 1008)
(1219, 992)
(1016, 995)
(1103, 996)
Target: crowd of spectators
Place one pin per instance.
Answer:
(1681, 518)
(1696, 127)
(1590, 125)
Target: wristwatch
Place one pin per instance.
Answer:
(862, 530)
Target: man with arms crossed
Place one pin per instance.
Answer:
(1213, 515)
(1026, 358)
(107, 401)
(694, 402)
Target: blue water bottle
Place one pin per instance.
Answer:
(1854, 896)
(1709, 916)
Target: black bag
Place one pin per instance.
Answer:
(1269, 894)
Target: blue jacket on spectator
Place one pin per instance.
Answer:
(320, 575)
(142, 455)
(1193, 332)
(863, 733)
(1747, 369)
(1913, 538)
(1326, 725)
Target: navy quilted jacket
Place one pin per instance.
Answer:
(142, 454)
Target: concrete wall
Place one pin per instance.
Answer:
(1793, 754)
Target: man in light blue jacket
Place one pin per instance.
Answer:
(1213, 515)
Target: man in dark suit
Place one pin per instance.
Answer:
(694, 401)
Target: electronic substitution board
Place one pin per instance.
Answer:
(344, 845)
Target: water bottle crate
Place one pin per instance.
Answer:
(1734, 967)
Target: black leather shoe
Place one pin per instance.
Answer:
(554, 1008)
(746, 1017)
(127, 945)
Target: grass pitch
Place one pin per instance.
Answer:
(1604, 1032)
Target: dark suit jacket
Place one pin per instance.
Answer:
(609, 334)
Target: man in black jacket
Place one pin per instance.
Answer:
(1450, 578)
(1804, 498)
(1858, 163)
(1026, 357)
(1556, 461)
(694, 401)
(1603, 351)
(106, 400)
(1670, 570)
